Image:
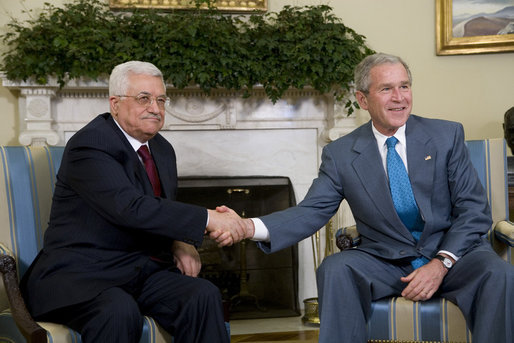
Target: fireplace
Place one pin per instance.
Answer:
(253, 284)
(220, 134)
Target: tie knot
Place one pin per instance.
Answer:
(391, 142)
(144, 152)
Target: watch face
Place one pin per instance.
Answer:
(446, 261)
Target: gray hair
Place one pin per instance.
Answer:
(361, 75)
(118, 81)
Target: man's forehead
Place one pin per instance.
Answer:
(383, 74)
(145, 84)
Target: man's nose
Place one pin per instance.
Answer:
(153, 107)
(397, 94)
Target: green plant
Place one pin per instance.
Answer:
(296, 47)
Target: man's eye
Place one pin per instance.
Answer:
(161, 101)
(143, 99)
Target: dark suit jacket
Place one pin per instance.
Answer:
(449, 194)
(105, 222)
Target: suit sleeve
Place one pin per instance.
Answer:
(470, 215)
(108, 184)
(322, 201)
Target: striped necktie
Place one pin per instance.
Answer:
(151, 170)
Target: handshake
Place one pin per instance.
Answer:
(226, 227)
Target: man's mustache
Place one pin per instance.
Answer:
(152, 116)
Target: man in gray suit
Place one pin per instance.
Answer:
(441, 249)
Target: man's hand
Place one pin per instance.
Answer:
(226, 227)
(186, 258)
(424, 281)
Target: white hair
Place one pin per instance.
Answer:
(118, 81)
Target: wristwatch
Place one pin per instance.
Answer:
(447, 263)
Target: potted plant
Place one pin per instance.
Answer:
(296, 47)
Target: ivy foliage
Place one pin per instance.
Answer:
(296, 47)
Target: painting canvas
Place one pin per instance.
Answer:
(474, 26)
(482, 17)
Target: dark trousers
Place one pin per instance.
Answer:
(188, 308)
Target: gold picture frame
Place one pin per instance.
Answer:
(447, 44)
(223, 5)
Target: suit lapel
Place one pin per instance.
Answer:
(162, 160)
(421, 158)
(139, 169)
(372, 175)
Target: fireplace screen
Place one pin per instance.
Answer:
(253, 284)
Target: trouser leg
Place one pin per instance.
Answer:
(347, 284)
(113, 316)
(482, 286)
(189, 308)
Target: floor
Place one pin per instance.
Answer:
(286, 330)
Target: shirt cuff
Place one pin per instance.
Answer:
(449, 254)
(261, 231)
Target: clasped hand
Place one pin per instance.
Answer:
(226, 227)
(423, 282)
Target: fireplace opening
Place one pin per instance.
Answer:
(253, 284)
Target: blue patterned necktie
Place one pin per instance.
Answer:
(403, 197)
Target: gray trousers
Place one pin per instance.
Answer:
(480, 284)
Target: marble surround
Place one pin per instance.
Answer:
(220, 134)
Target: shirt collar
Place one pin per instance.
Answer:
(133, 142)
(399, 134)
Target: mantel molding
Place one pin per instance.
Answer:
(50, 114)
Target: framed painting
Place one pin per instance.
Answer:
(223, 5)
(474, 26)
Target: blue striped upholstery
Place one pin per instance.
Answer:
(435, 320)
(26, 186)
(490, 161)
(396, 319)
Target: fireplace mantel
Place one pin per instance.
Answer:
(49, 114)
(219, 134)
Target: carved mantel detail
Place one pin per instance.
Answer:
(50, 114)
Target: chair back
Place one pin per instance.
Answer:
(490, 161)
(489, 157)
(26, 188)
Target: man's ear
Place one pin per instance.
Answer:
(361, 99)
(114, 103)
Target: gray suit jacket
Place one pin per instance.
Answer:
(451, 199)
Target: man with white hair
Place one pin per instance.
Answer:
(118, 245)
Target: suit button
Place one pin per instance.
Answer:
(402, 252)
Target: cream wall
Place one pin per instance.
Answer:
(473, 89)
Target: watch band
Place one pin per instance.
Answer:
(447, 263)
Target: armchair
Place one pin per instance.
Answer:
(396, 319)
(26, 185)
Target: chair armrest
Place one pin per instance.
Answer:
(347, 237)
(504, 231)
(28, 327)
